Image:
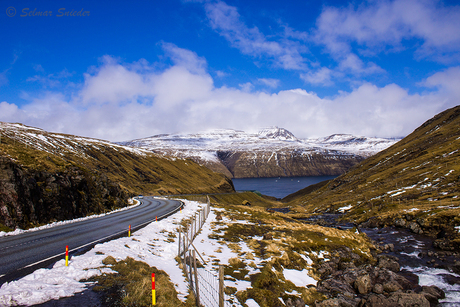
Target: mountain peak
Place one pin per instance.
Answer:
(276, 133)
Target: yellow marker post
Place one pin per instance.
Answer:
(153, 290)
(129, 231)
(66, 255)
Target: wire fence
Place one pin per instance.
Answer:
(188, 233)
(207, 287)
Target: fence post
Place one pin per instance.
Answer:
(185, 264)
(190, 270)
(197, 226)
(197, 291)
(221, 286)
(178, 250)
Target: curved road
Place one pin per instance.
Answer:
(22, 254)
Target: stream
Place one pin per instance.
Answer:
(416, 254)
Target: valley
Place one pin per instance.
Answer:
(386, 230)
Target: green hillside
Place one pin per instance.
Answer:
(413, 184)
(48, 176)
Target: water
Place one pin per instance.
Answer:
(414, 255)
(278, 187)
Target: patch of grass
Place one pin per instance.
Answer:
(286, 246)
(134, 285)
(5, 228)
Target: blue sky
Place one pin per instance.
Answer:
(119, 70)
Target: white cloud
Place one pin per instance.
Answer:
(227, 22)
(273, 83)
(122, 101)
(185, 58)
(448, 79)
(322, 76)
(389, 24)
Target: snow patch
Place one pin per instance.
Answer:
(299, 278)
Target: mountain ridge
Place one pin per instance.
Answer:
(271, 152)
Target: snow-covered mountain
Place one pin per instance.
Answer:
(228, 150)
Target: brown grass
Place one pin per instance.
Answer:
(134, 277)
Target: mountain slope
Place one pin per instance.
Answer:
(47, 176)
(271, 152)
(413, 184)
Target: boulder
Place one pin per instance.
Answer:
(389, 263)
(401, 299)
(363, 284)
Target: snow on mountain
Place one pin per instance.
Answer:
(57, 143)
(277, 133)
(206, 145)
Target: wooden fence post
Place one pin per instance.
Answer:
(178, 250)
(197, 291)
(221, 286)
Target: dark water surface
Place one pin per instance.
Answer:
(278, 187)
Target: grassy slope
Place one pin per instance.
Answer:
(148, 173)
(417, 178)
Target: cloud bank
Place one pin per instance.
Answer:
(121, 101)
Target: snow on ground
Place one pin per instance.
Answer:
(299, 278)
(152, 245)
(343, 209)
(148, 244)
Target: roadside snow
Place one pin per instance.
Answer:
(148, 244)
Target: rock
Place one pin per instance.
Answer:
(363, 284)
(414, 227)
(334, 286)
(434, 291)
(392, 286)
(339, 302)
(267, 236)
(295, 302)
(377, 301)
(333, 302)
(29, 197)
(400, 299)
(390, 263)
(378, 289)
(451, 279)
(400, 222)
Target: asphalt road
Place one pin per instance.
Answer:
(22, 254)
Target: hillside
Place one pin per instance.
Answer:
(48, 176)
(272, 152)
(412, 184)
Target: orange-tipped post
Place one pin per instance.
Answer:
(66, 255)
(129, 231)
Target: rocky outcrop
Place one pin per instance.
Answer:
(253, 164)
(31, 197)
(346, 283)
